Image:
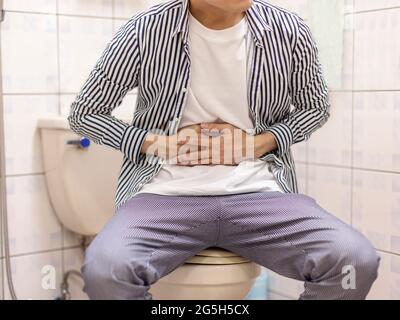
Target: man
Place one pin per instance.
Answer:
(225, 88)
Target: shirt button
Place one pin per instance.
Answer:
(184, 90)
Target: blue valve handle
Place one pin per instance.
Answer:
(83, 142)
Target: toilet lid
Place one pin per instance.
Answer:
(214, 255)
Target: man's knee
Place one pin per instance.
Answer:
(103, 268)
(354, 256)
(361, 255)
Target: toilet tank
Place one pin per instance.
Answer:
(81, 181)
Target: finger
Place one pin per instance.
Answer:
(210, 126)
(215, 126)
(182, 141)
(190, 129)
(194, 158)
(189, 151)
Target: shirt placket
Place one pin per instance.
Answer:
(183, 88)
(253, 105)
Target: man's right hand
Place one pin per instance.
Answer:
(168, 147)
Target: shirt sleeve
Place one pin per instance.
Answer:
(308, 92)
(115, 73)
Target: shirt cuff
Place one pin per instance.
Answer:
(132, 142)
(283, 136)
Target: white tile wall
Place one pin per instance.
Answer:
(348, 54)
(376, 208)
(73, 259)
(43, 6)
(101, 8)
(361, 5)
(352, 164)
(46, 57)
(23, 144)
(376, 134)
(33, 226)
(1, 280)
(82, 41)
(301, 170)
(299, 6)
(29, 53)
(331, 187)
(30, 274)
(387, 286)
(299, 151)
(284, 286)
(375, 68)
(337, 131)
(127, 8)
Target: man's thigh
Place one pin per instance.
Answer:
(151, 235)
(287, 233)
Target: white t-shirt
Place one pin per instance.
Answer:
(217, 92)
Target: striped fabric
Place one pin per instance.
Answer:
(287, 93)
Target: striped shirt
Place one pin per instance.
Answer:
(287, 93)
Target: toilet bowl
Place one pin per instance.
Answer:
(83, 200)
(212, 274)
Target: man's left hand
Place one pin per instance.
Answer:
(225, 144)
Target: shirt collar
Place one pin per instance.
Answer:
(257, 23)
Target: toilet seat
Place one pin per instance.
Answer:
(215, 255)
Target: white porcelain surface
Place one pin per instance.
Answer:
(207, 282)
(83, 199)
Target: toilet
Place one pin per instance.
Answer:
(83, 200)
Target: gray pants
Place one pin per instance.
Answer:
(152, 235)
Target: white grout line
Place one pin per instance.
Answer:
(376, 10)
(24, 254)
(352, 124)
